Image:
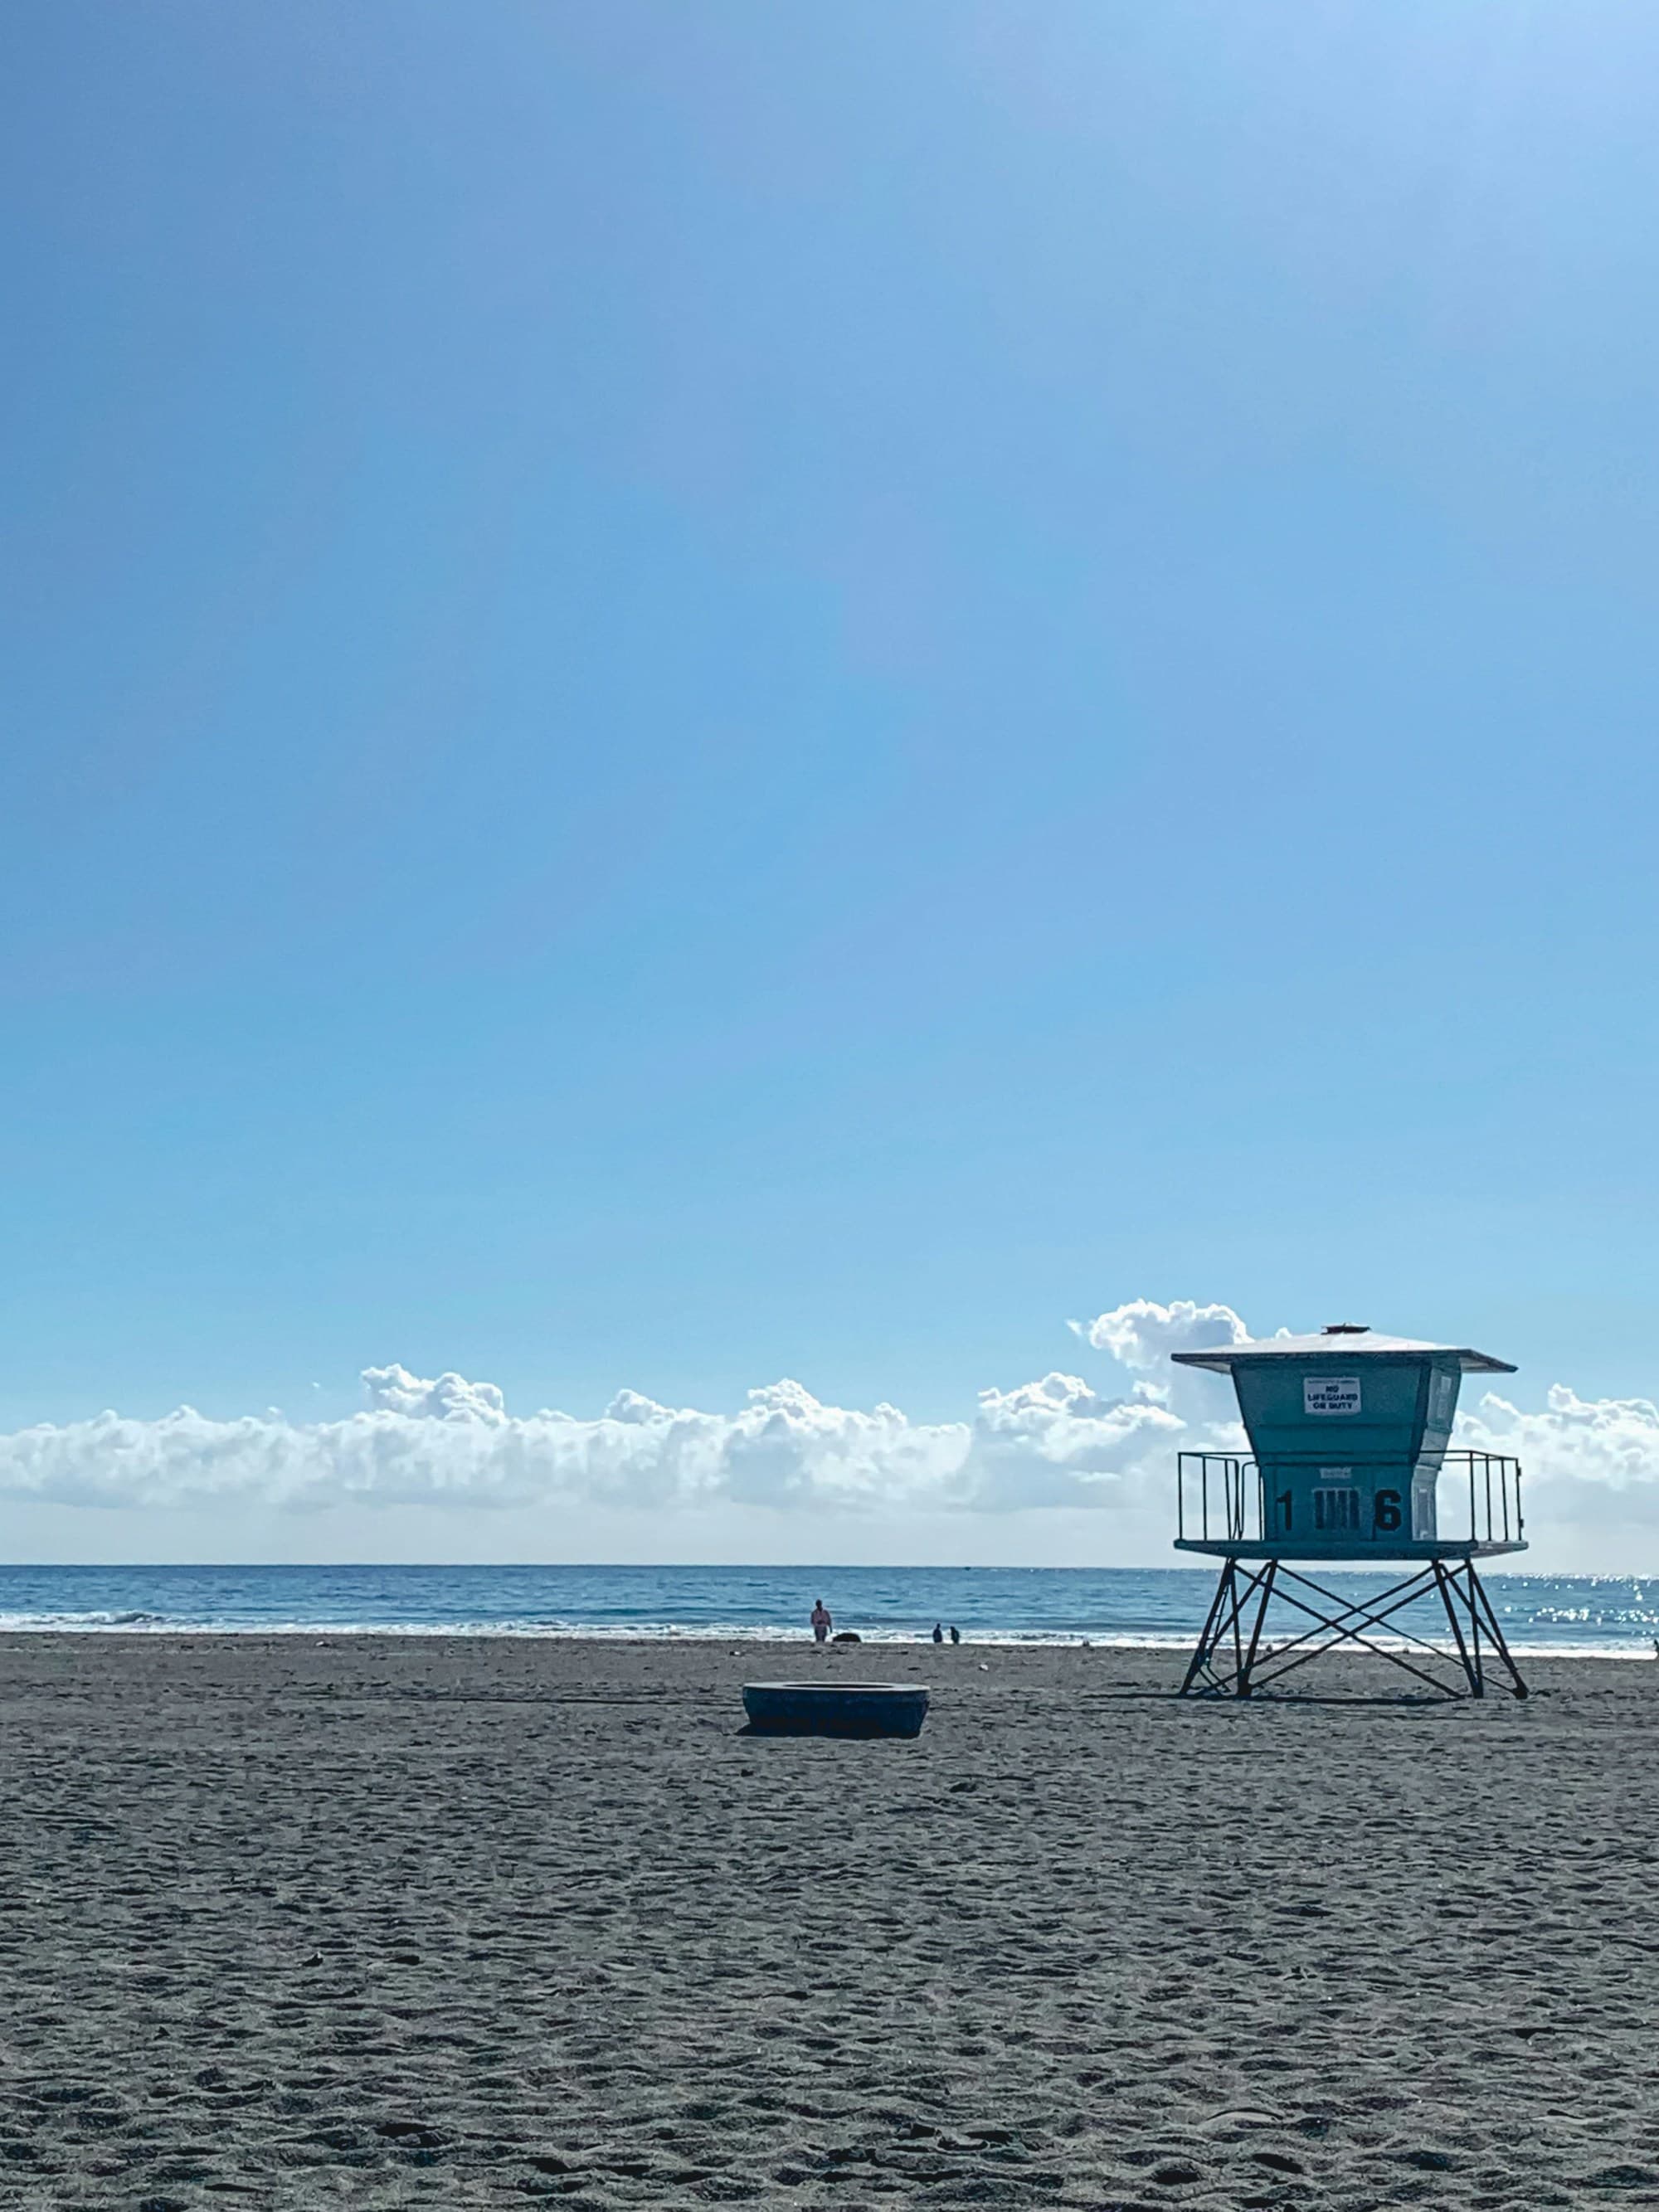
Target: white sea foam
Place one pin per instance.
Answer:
(647, 1631)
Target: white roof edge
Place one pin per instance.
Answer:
(1221, 1358)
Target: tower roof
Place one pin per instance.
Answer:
(1343, 1340)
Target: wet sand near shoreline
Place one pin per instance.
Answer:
(297, 1921)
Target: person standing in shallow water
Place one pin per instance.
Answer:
(938, 1634)
(822, 1622)
(956, 1633)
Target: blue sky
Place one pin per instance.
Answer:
(703, 694)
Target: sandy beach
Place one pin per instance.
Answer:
(369, 1922)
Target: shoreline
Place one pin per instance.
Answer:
(1639, 1652)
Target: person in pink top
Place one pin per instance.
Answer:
(822, 1624)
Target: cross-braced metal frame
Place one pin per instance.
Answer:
(1232, 1659)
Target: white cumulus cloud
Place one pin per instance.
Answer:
(449, 1398)
(1589, 1462)
(1142, 1334)
(1105, 1442)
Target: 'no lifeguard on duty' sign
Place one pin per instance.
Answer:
(1330, 1394)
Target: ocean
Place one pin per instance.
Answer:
(1609, 1616)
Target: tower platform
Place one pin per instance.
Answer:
(1439, 1547)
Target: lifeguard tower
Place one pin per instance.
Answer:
(1348, 1462)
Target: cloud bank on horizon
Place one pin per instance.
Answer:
(1057, 1442)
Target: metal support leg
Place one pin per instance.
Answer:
(1200, 1663)
(1265, 1583)
(1238, 1594)
(1480, 1605)
(1450, 1592)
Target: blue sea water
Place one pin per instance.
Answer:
(1541, 1614)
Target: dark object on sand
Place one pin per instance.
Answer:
(835, 1708)
(847, 1636)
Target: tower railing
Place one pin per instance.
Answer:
(1222, 1497)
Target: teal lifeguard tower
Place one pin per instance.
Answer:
(1349, 1461)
